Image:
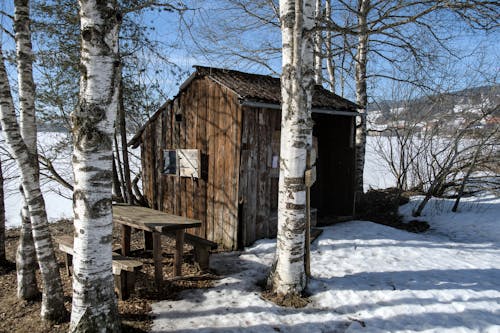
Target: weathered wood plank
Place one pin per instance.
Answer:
(235, 140)
(274, 173)
(148, 240)
(157, 259)
(263, 142)
(154, 169)
(226, 164)
(151, 220)
(211, 132)
(251, 202)
(159, 161)
(169, 193)
(202, 143)
(182, 144)
(179, 248)
(190, 143)
(126, 232)
(147, 167)
(176, 145)
(243, 196)
(219, 171)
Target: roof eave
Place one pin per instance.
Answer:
(135, 141)
(275, 106)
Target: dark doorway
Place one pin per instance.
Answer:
(332, 194)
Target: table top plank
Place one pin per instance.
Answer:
(150, 219)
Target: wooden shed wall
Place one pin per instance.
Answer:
(258, 190)
(236, 194)
(211, 122)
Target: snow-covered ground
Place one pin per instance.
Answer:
(366, 278)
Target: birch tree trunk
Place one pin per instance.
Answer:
(94, 302)
(123, 136)
(3, 259)
(52, 298)
(318, 43)
(361, 94)
(26, 263)
(330, 65)
(297, 81)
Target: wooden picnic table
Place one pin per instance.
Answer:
(154, 223)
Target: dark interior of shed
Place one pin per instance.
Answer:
(332, 194)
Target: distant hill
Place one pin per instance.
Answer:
(454, 107)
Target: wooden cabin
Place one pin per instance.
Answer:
(212, 154)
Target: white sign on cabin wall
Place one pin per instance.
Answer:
(182, 162)
(189, 162)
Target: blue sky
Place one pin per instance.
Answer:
(473, 61)
(183, 48)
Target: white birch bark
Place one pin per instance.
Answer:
(297, 23)
(27, 288)
(361, 94)
(94, 302)
(330, 65)
(52, 298)
(318, 43)
(3, 259)
(26, 254)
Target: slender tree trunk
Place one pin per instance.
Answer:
(3, 259)
(52, 299)
(318, 43)
(26, 255)
(438, 179)
(361, 94)
(116, 187)
(472, 166)
(94, 302)
(22, 141)
(123, 135)
(26, 263)
(330, 65)
(297, 23)
(119, 168)
(341, 72)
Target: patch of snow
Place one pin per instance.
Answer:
(365, 278)
(477, 219)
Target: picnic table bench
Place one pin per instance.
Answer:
(202, 249)
(154, 223)
(124, 268)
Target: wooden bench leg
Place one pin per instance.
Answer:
(148, 241)
(157, 259)
(124, 284)
(179, 248)
(68, 261)
(130, 281)
(202, 257)
(125, 239)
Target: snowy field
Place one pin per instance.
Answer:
(57, 198)
(366, 278)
